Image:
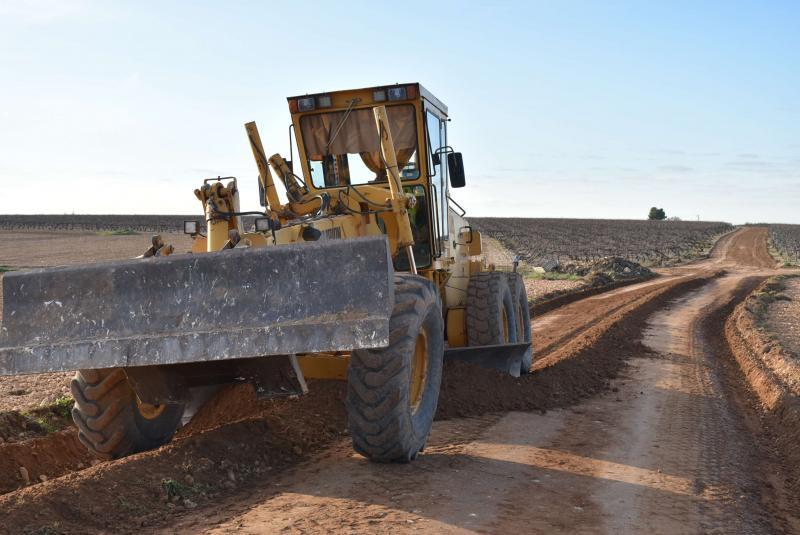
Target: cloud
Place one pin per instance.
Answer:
(677, 152)
(673, 152)
(753, 164)
(676, 168)
(748, 156)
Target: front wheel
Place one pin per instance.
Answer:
(392, 392)
(112, 422)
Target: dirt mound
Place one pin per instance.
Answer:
(599, 277)
(561, 378)
(17, 426)
(771, 374)
(14, 427)
(41, 458)
(608, 270)
(205, 460)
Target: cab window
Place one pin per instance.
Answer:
(437, 139)
(343, 147)
(419, 217)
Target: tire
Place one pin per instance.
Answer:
(111, 422)
(522, 314)
(388, 421)
(490, 310)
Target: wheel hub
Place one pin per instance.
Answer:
(419, 371)
(149, 412)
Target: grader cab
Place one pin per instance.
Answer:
(359, 267)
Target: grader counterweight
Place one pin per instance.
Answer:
(365, 271)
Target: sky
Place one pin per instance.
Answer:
(561, 109)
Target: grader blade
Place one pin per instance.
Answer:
(301, 298)
(505, 358)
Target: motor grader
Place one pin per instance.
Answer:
(361, 268)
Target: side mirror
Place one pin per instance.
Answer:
(262, 197)
(436, 159)
(456, 167)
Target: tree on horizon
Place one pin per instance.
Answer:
(657, 214)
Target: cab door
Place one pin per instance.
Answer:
(436, 133)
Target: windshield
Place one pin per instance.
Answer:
(343, 147)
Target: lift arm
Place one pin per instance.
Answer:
(399, 201)
(264, 174)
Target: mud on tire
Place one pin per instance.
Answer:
(111, 424)
(390, 410)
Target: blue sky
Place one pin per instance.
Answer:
(562, 109)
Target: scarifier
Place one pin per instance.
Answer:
(363, 270)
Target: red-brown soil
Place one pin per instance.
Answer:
(51, 456)
(485, 469)
(772, 374)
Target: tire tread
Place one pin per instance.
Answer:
(377, 378)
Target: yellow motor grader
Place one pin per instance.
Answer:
(363, 269)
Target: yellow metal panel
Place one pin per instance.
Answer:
(456, 327)
(254, 239)
(324, 366)
(199, 244)
(473, 241)
(476, 266)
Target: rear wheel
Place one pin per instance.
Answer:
(522, 314)
(392, 392)
(112, 422)
(491, 312)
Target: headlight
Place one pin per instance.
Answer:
(397, 93)
(263, 224)
(324, 101)
(191, 227)
(305, 104)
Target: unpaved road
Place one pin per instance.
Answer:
(672, 445)
(669, 449)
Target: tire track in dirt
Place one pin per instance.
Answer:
(669, 491)
(581, 317)
(279, 435)
(271, 435)
(341, 492)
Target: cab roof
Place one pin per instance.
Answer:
(420, 91)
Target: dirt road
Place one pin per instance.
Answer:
(666, 449)
(632, 421)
